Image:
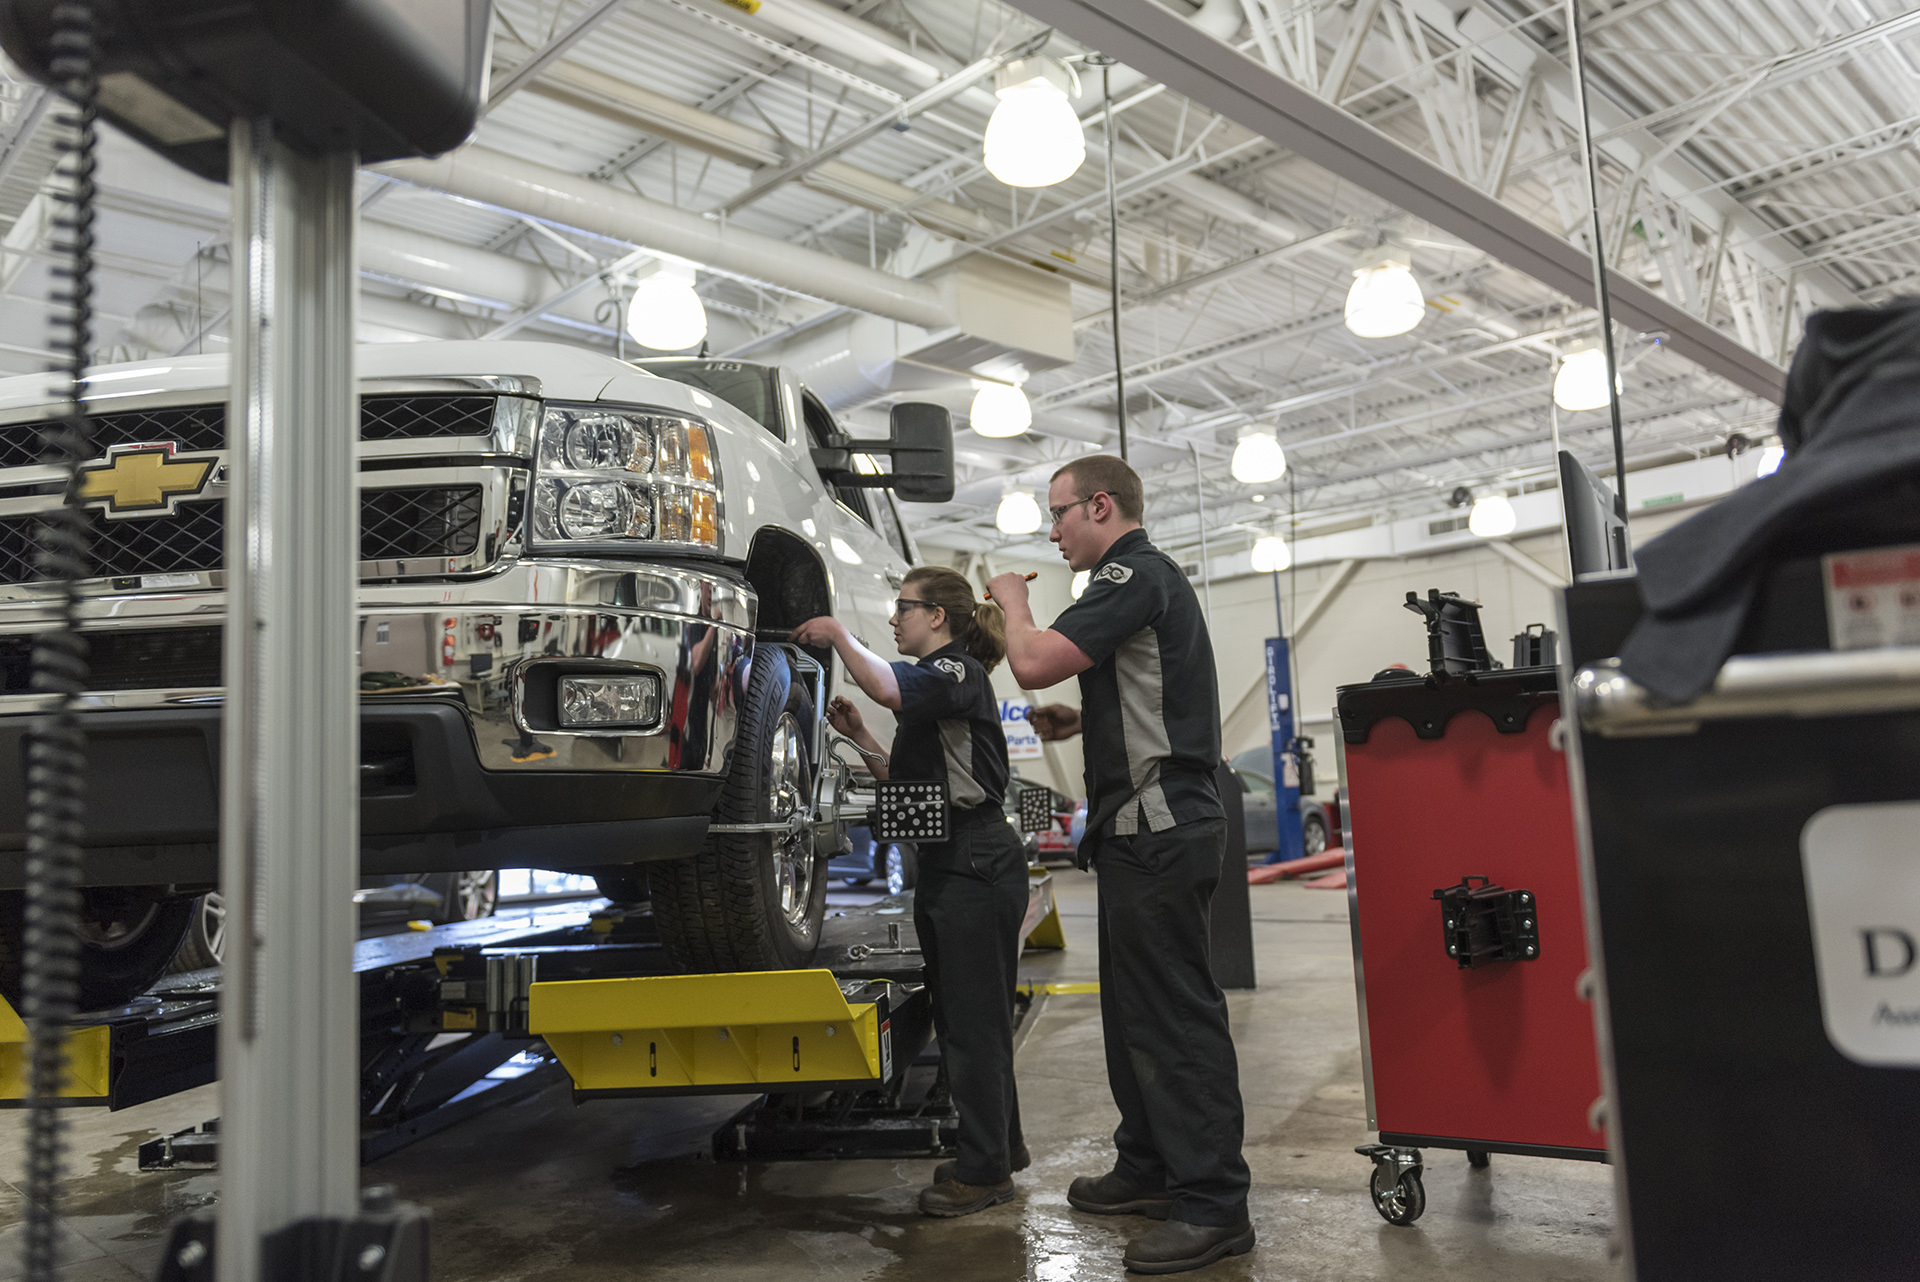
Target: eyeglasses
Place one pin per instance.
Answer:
(904, 604)
(1059, 514)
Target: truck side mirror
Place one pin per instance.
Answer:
(920, 441)
(920, 437)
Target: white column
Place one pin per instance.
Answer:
(289, 856)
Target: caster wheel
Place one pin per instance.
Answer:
(1404, 1202)
(1479, 1159)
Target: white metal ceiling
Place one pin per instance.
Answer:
(1759, 159)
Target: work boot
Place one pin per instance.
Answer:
(1114, 1194)
(950, 1170)
(950, 1198)
(1175, 1247)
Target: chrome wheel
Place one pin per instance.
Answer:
(474, 894)
(213, 923)
(1314, 836)
(787, 802)
(896, 870)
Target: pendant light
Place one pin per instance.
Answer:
(1581, 383)
(1033, 137)
(1258, 458)
(1018, 514)
(1271, 554)
(1000, 410)
(664, 313)
(1385, 299)
(1492, 517)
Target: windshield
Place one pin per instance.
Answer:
(754, 390)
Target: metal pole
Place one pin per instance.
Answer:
(1200, 511)
(1590, 166)
(289, 848)
(1113, 241)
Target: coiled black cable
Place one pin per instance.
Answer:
(56, 752)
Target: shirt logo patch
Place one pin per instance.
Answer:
(952, 667)
(1113, 572)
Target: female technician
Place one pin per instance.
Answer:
(972, 893)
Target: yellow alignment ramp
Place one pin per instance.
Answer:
(87, 1058)
(1043, 914)
(671, 1032)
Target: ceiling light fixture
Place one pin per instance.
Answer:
(1018, 514)
(1770, 460)
(1271, 554)
(665, 313)
(1080, 579)
(1581, 383)
(1033, 137)
(999, 410)
(1492, 517)
(1258, 459)
(1385, 299)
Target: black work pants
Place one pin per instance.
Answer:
(1170, 1057)
(967, 909)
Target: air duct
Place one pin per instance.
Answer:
(540, 191)
(980, 309)
(612, 98)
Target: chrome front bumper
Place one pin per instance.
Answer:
(492, 645)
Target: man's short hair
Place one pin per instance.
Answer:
(1099, 473)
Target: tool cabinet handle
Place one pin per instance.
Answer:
(1821, 684)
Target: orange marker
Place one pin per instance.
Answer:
(988, 596)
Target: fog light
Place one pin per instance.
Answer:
(610, 702)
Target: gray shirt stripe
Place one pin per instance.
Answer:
(957, 738)
(1143, 729)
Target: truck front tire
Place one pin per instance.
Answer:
(753, 901)
(127, 937)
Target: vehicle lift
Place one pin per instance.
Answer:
(463, 1018)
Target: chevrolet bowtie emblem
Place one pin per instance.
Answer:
(143, 480)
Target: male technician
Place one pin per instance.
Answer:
(1156, 835)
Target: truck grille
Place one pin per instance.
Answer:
(396, 418)
(419, 521)
(144, 659)
(204, 427)
(195, 427)
(405, 522)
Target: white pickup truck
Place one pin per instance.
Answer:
(575, 572)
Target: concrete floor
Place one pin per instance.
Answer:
(624, 1189)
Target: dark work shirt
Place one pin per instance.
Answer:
(948, 727)
(1149, 705)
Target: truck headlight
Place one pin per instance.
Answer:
(625, 474)
(622, 702)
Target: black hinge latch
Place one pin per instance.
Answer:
(1486, 923)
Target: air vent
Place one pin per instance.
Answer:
(1451, 525)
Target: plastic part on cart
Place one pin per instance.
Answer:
(1485, 924)
(1455, 643)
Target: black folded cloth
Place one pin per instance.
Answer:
(1851, 427)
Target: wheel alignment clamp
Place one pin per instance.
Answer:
(703, 1031)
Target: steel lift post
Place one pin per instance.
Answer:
(289, 831)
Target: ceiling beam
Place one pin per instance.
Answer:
(1211, 73)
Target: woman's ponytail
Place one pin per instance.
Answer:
(979, 626)
(987, 641)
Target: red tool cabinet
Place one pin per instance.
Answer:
(1450, 777)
